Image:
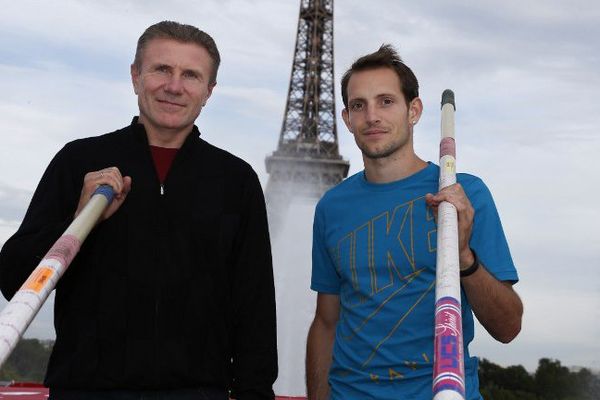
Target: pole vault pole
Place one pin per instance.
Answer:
(25, 304)
(448, 364)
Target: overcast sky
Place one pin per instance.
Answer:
(526, 78)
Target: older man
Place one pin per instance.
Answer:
(172, 295)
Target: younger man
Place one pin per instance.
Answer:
(374, 252)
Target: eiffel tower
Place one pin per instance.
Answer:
(307, 160)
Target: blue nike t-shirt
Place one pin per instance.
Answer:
(374, 245)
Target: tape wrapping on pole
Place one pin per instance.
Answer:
(27, 301)
(448, 368)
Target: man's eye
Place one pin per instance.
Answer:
(356, 106)
(388, 101)
(190, 75)
(162, 68)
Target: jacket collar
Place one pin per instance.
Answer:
(139, 133)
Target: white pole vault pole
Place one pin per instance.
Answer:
(448, 364)
(25, 304)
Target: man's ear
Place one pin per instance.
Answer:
(211, 86)
(135, 77)
(346, 119)
(415, 109)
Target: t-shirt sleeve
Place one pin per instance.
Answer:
(325, 278)
(488, 238)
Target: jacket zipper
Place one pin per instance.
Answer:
(157, 294)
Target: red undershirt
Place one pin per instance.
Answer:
(163, 158)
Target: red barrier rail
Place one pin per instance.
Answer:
(36, 391)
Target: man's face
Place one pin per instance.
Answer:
(172, 84)
(377, 114)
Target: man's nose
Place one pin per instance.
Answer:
(372, 114)
(174, 84)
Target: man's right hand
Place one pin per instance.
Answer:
(107, 176)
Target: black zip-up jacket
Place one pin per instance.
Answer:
(174, 290)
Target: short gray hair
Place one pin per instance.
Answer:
(181, 33)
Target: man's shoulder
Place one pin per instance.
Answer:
(476, 190)
(111, 138)
(472, 184)
(465, 178)
(223, 159)
(209, 157)
(342, 190)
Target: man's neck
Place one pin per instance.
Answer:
(163, 137)
(167, 139)
(392, 168)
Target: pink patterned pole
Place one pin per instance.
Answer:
(25, 304)
(448, 362)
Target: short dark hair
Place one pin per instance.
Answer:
(181, 33)
(385, 57)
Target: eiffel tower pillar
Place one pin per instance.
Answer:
(307, 161)
(305, 164)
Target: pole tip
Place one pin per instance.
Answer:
(448, 97)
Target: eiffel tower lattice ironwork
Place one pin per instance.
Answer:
(307, 160)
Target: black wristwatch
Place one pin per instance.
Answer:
(474, 267)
